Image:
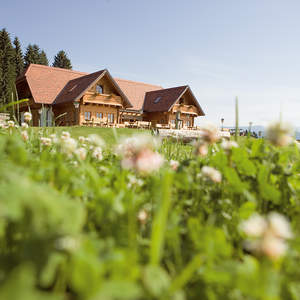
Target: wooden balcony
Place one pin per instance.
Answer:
(103, 99)
(185, 109)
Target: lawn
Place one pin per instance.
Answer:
(109, 135)
(175, 150)
(81, 221)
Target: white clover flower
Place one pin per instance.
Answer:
(136, 143)
(211, 173)
(148, 161)
(96, 140)
(10, 123)
(46, 141)
(65, 135)
(27, 116)
(134, 181)
(174, 164)
(279, 134)
(279, 226)
(24, 125)
(228, 145)
(255, 226)
(201, 148)
(268, 234)
(142, 216)
(54, 138)
(97, 153)
(138, 154)
(24, 135)
(69, 145)
(81, 139)
(81, 153)
(209, 133)
(273, 247)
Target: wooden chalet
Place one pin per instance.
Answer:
(74, 98)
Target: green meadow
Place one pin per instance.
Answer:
(140, 219)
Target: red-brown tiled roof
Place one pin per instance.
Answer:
(52, 85)
(162, 100)
(46, 83)
(135, 91)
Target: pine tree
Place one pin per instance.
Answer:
(43, 60)
(61, 60)
(19, 59)
(7, 63)
(32, 55)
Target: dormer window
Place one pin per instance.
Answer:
(157, 100)
(73, 88)
(99, 89)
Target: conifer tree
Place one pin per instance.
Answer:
(43, 60)
(61, 60)
(32, 55)
(8, 75)
(19, 59)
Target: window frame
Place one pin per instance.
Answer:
(99, 115)
(87, 115)
(110, 117)
(101, 86)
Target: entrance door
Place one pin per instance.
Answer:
(46, 117)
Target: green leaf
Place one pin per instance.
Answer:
(156, 280)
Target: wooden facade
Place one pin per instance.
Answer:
(68, 98)
(94, 107)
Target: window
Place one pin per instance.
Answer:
(157, 100)
(110, 118)
(173, 122)
(99, 89)
(181, 101)
(188, 123)
(162, 121)
(99, 115)
(87, 115)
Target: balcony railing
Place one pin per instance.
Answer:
(186, 109)
(102, 99)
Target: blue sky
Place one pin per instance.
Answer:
(222, 49)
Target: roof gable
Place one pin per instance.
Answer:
(162, 100)
(76, 87)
